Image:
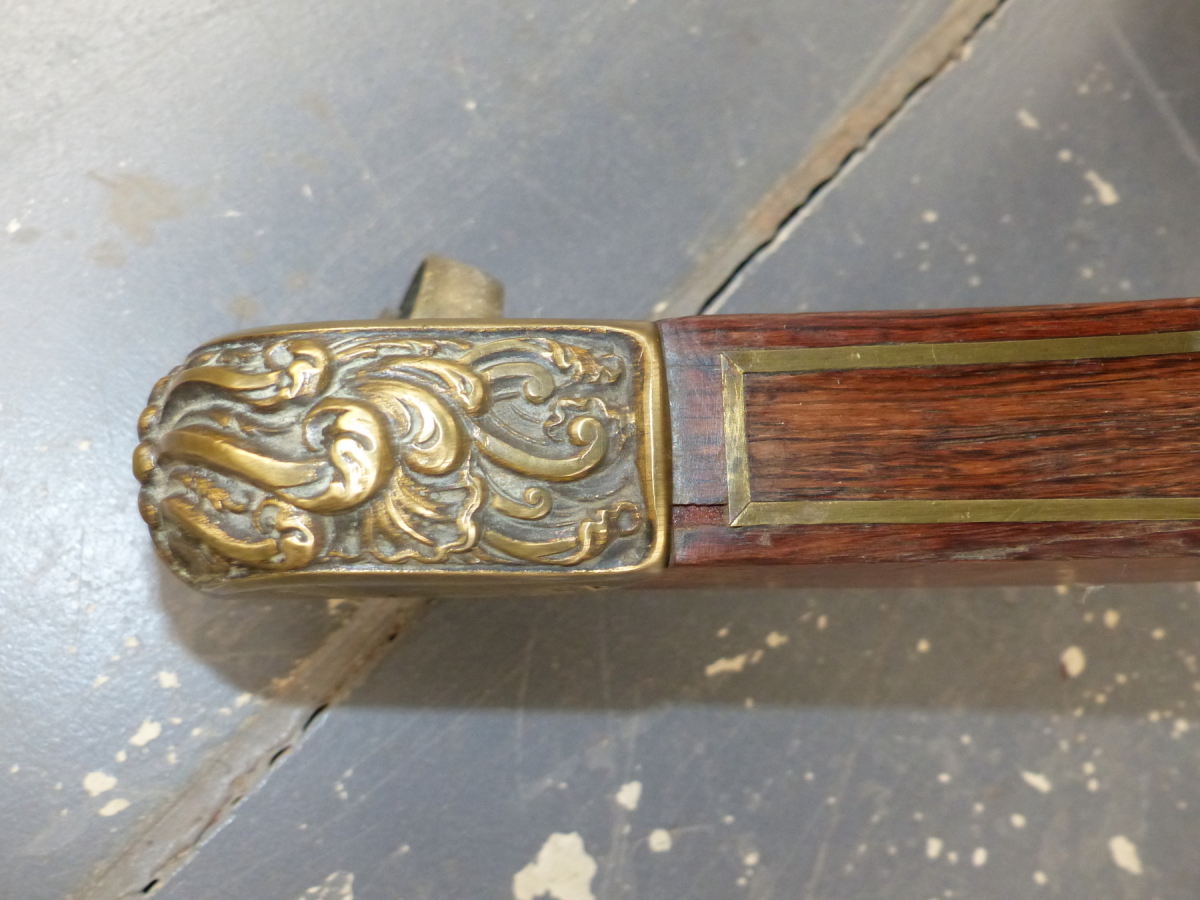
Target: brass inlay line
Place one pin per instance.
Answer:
(744, 511)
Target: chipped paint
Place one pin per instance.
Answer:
(629, 795)
(167, 680)
(1125, 854)
(979, 857)
(933, 847)
(1112, 618)
(563, 870)
(776, 639)
(1018, 820)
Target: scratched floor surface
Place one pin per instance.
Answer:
(170, 174)
(899, 744)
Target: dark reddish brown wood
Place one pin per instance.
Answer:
(1126, 427)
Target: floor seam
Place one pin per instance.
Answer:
(705, 288)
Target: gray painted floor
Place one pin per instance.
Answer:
(168, 176)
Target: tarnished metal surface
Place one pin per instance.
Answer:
(354, 457)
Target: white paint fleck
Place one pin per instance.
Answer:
(172, 757)
(1105, 192)
(1073, 662)
(659, 840)
(1158, 634)
(563, 870)
(84, 446)
(14, 769)
(242, 699)
(14, 225)
(1112, 618)
(1037, 782)
(100, 679)
(1093, 785)
(933, 847)
(726, 664)
(776, 639)
(1018, 820)
(944, 777)
(952, 858)
(965, 740)
(1039, 877)
(923, 646)
(1181, 727)
(629, 795)
(306, 190)
(1125, 854)
(132, 642)
(1027, 119)
(723, 632)
(1064, 155)
(167, 680)
(147, 731)
(120, 756)
(113, 806)
(929, 216)
(96, 783)
(1061, 589)
(751, 858)
(336, 886)
(979, 857)
(822, 621)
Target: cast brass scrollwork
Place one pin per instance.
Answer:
(371, 448)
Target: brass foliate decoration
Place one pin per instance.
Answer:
(368, 456)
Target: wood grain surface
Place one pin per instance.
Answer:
(1086, 428)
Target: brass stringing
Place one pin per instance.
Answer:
(377, 448)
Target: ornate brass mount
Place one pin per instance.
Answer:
(440, 452)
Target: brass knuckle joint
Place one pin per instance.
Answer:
(389, 457)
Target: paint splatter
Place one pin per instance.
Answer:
(659, 840)
(1111, 618)
(337, 886)
(1027, 119)
(563, 870)
(1125, 854)
(1105, 192)
(979, 857)
(1037, 782)
(167, 680)
(776, 639)
(726, 664)
(146, 732)
(96, 783)
(933, 847)
(629, 795)
(114, 806)
(1073, 662)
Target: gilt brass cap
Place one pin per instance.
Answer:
(388, 458)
